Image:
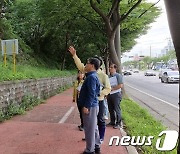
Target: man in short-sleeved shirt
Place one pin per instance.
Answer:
(114, 98)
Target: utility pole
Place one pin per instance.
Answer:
(150, 51)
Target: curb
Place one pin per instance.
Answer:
(130, 149)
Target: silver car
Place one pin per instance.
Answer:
(170, 76)
(149, 73)
(161, 71)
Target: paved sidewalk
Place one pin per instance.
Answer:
(50, 128)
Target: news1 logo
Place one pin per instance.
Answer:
(168, 141)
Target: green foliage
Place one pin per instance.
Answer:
(147, 62)
(30, 72)
(169, 56)
(49, 26)
(136, 25)
(139, 122)
(28, 102)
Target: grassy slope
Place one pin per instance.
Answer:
(27, 67)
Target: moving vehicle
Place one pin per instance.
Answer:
(149, 73)
(170, 76)
(127, 72)
(135, 71)
(161, 71)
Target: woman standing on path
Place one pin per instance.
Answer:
(77, 87)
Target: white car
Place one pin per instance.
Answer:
(135, 71)
(170, 76)
(161, 71)
(149, 73)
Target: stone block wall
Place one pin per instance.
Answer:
(14, 91)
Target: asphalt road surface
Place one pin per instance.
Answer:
(161, 99)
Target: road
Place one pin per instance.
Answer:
(161, 99)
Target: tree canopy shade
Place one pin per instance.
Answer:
(49, 26)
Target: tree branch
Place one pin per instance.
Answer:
(130, 10)
(148, 9)
(126, 15)
(114, 6)
(98, 11)
(92, 23)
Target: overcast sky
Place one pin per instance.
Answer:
(157, 36)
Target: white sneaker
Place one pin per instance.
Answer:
(101, 141)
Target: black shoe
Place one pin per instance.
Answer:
(83, 139)
(110, 124)
(88, 152)
(117, 126)
(97, 150)
(80, 128)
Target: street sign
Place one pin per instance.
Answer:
(9, 47)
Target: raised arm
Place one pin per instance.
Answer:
(77, 61)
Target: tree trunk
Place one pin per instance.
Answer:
(117, 39)
(173, 13)
(117, 42)
(66, 48)
(113, 55)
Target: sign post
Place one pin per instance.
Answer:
(10, 47)
(5, 54)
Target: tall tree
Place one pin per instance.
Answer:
(111, 28)
(173, 13)
(112, 20)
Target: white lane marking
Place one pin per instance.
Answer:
(154, 97)
(64, 118)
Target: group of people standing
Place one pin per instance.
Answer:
(92, 87)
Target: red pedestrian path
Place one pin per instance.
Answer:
(38, 131)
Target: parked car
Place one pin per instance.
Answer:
(149, 73)
(161, 71)
(170, 76)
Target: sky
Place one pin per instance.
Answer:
(156, 38)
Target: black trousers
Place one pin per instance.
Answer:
(101, 121)
(80, 113)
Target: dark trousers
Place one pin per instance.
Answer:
(101, 121)
(80, 112)
(114, 108)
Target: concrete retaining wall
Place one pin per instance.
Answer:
(14, 91)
